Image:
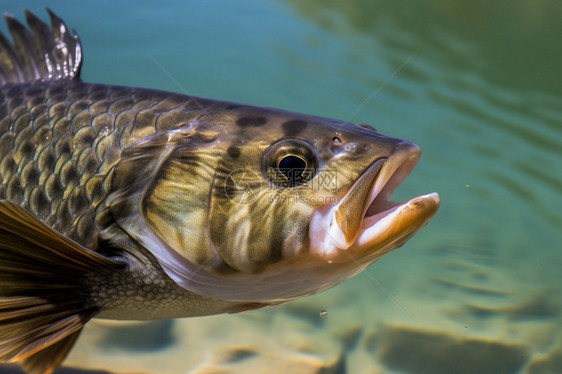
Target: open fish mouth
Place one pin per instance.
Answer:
(365, 222)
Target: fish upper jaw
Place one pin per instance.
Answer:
(365, 222)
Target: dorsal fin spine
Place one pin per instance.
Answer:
(39, 52)
(10, 64)
(23, 41)
(60, 33)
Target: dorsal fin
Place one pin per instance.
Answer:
(40, 52)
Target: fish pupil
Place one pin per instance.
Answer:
(293, 168)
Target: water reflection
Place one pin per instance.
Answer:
(512, 43)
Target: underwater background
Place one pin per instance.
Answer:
(476, 84)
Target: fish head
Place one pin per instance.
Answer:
(277, 205)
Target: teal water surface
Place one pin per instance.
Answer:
(476, 84)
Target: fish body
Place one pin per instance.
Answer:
(132, 203)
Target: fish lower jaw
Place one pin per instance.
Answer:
(391, 228)
(379, 233)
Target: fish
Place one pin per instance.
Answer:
(137, 204)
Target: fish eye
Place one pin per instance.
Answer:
(290, 163)
(292, 167)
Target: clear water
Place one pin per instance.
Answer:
(476, 84)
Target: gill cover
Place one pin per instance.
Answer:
(163, 191)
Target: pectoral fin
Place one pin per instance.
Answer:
(42, 301)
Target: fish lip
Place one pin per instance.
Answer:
(356, 199)
(384, 225)
(394, 171)
(391, 228)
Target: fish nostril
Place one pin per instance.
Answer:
(338, 145)
(336, 140)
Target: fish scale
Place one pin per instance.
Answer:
(61, 139)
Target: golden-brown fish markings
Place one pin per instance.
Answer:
(294, 127)
(131, 203)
